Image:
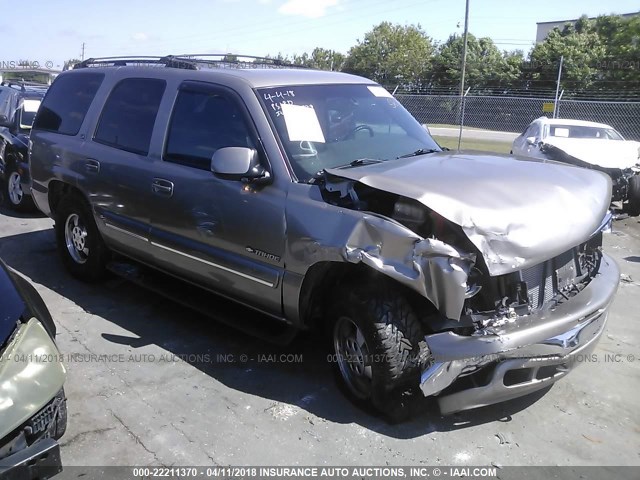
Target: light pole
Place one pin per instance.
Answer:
(464, 65)
(557, 99)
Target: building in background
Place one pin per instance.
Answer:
(544, 28)
(27, 74)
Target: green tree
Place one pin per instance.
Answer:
(582, 49)
(486, 66)
(324, 59)
(392, 54)
(321, 59)
(279, 58)
(620, 68)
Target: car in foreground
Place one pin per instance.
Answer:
(316, 198)
(19, 102)
(33, 409)
(589, 145)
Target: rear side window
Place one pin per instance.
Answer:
(5, 102)
(66, 103)
(129, 114)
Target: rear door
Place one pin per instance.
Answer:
(59, 135)
(222, 234)
(117, 169)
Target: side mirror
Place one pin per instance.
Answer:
(531, 140)
(5, 122)
(239, 163)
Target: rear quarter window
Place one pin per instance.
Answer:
(67, 102)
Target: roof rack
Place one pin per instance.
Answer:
(24, 85)
(190, 61)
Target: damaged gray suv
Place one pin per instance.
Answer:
(316, 198)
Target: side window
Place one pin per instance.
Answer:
(67, 101)
(5, 102)
(129, 114)
(535, 131)
(201, 123)
(532, 131)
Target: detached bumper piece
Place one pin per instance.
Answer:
(520, 358)
(39, 461)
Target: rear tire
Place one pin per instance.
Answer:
(378, 346)
(80, 245)
(17, 199)
(633, 207)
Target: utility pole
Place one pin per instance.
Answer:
(464, 65)
(82, 54)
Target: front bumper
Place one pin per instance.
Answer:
(39, 461)
(521, 357)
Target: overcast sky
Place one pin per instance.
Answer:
(53, 31)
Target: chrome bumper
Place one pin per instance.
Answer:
(524, 356)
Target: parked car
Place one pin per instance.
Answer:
(19, 102)
(316, 198)
(590, 145)
(33, 409)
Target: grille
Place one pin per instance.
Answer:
(535, 279)
(42, 420)
(545, 280)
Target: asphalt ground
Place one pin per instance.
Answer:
(152, 383)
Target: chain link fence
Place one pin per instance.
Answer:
(513, 114)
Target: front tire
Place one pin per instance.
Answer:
(377, 346)
(79, 243)
(633, 207)
(17, 199)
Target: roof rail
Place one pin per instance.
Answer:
(121, 61)
(24, 85)
(237, 60)
(189, 61)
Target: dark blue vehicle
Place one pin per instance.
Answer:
(19, 102)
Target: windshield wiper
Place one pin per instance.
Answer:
(360, 161)
(420, 151)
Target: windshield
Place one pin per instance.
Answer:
(28, 112)
(326, 126)
(580, 131)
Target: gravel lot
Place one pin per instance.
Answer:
(168, 398)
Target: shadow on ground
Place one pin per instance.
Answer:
(8, 212)
(153, 319)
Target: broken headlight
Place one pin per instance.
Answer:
(412, 215)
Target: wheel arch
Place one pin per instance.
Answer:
(57, 190)
(9, 156)
(323, 278)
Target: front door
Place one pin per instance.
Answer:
(222, 234)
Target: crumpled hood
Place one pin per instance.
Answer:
(604, 153)
(517, 212)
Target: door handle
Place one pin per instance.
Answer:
(162, 187)
(92, 166)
